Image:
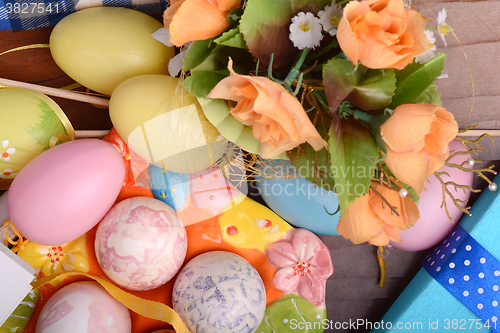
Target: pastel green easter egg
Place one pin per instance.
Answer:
(103, 46)
(28, 123)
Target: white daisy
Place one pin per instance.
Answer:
(305, 31)
(442, 27)
(330, 18)
(422, 59)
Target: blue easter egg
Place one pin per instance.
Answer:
(169, 187)
(300, 202)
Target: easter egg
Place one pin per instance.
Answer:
(164, 125)
(29, 121)
(219, 291)
(101, 47)
(65, 191)
(298, 201)
(83, 307)
(434, 224)
(140, 244)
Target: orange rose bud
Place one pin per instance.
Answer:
(277, 118)
(190, 20)
(417, 138)
(368, 219)
(381, 33)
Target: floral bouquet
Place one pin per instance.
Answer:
(329, 87)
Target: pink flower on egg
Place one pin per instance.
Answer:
(303, 264)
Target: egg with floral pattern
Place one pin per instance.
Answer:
(83, 307)
(29, 121)
(141, 243)
(219, 292)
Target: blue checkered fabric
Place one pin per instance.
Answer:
(30, 14)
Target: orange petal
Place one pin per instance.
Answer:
(410, 211)
(411, 169)
(405, 130)
(349, 43)
(170, 11)
(360, 223)
(383, 211)
(196, 20)
(227, 5)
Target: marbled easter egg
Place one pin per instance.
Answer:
(141, 244)
(83, 307)
(219, 292)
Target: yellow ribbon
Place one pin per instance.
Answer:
(146, 308)
(19, 243)
(27, 47)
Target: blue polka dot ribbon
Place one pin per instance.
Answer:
(469, 272)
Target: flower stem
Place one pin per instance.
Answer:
(292, 75)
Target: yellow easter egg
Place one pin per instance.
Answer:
(163, 124)
(103, 46)
(29, 122)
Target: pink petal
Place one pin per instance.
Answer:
(281, 254)
(286, 280)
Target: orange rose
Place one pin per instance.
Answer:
(417, 138)
(368, 219)
(190, 20)
(277, 118)
(381, 33)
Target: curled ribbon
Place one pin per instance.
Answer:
(146, 308)
(19, 243)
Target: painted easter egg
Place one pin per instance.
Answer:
(140, 244)
(433, 224)
(65, 191)
(298, 201)
(29, 121)
(83, 307)
(219, 291)
(101, 47)
(163, 124)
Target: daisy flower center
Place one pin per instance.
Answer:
(305, 26)
(444, 29)
(334, 20)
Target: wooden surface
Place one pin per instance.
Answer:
(352, 291)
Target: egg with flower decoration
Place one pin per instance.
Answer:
(163, 124)
(30, 120)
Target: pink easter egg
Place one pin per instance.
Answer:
(83, 307)
(141, 243)
(433, 224)
(65, 191)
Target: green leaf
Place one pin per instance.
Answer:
(313, 165)
(232, 38)
(354, 153)
(265, 25)
(415, 79)
(197, 53)
(17, 321)
(292, 313)
(200, 84)
(369, 90)
(430, 96)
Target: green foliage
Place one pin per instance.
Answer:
(17, 321)
(201, 83)
(354, 154)
(197, 53)
(415, 79)
(368, 90)
(232, 38)
(313, 165)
